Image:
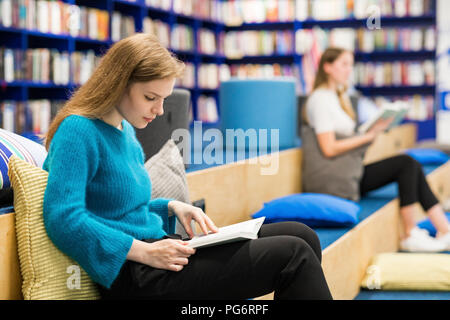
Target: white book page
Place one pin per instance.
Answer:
(243, 230)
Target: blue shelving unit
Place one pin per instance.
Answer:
(426, 128)
(426, 20)
(18, 38)
(23, 39)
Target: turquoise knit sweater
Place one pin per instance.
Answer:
(97, 198)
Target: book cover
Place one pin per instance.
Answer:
(395, 111)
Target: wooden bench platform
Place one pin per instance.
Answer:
(234, 191)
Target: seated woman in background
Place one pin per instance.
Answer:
(333, 161)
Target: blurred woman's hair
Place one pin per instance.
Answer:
(138, 58)
(329, 56)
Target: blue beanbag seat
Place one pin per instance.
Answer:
(426, 224)
(312, 209)
(429, 156)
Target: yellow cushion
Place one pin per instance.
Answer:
(47, 273)
(408, 271)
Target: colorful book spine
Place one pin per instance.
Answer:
(32, 116)
(44, 65)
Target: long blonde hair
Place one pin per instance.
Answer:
(138, 58)
(329, 56)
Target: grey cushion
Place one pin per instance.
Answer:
(168, 177)
(339, 176)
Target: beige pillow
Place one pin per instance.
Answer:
(47, 273)
(408, 271)
(167, 173)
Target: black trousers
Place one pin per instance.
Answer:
(407, 172)
(286, 258)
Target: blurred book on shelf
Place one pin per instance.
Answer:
(360, 9)
(263, 71)
(32, 116)
(48, 66)
(237, 12)
(210, 75)
(239, 44)
(207, 109)
(161, 4)
(207, 42)
(402, 39)
(55, 17)
(159, 28)
(82, 66)
(397, 73)
(188, 80)
(182, 38)
(122, 26)
(367, 41)
(312, 42)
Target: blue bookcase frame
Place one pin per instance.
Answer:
(23, 39)
(426, 128)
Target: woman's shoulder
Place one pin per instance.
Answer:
(76, 126)
(322, 93)
(322, 98)
(75, 121)
(128, 127)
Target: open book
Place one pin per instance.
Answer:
(235, 232)
(396, 110)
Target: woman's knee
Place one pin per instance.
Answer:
(294, 229)
(304, 232)
(291, 248)
(409, 162)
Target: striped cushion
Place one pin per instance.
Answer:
(25, 149)
(47, 273)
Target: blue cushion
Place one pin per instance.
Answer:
(25, 149)
(312, 209)
(426, 224)
(428, 156)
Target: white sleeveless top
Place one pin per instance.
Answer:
(325, 114)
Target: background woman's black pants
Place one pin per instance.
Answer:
(285, 258)
(407, 172)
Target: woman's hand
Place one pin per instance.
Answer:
(168, 254)
(379, 127)
(186, 213)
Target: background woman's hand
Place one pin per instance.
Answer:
(186, 213)
(379, 127)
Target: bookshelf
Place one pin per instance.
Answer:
(212, 61)
(114, 20)
(349, 19)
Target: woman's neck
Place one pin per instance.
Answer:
(113, 118)
(331, 85)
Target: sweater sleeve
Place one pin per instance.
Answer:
(72, 161)
(160, 207)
